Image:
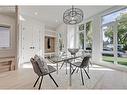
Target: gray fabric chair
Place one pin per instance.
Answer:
(82, 65)
(38, 69)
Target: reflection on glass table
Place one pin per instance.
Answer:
(67, 59)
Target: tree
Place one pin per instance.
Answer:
(89, 34)
(109, 34)
(122, 31)
(81, 37)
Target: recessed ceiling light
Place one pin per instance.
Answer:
(36, 13)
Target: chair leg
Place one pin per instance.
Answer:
(62, 65)
(77, 70)
(73, 70)
(53, 80)
(86, 73)
(57, 67)
(66, 67)
(88, 68)
(91, 63)
(82, 76)
(40, 83)
(36, 81)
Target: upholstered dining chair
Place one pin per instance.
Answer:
(81, 65)
(41, 70)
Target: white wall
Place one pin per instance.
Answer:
(49, 32)
(10, 21)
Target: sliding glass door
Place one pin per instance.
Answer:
(114, 30)
(122, 40)
(108, 50)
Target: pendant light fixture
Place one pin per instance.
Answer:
(73, 16)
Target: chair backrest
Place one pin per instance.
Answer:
(85, 61)
(36, 67)
(42, 64)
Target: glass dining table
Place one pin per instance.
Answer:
(68, 59)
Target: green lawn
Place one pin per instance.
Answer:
(121, 60)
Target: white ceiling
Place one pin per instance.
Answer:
(52, 15)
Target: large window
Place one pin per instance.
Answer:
(89, 35)
(85, 36)
(114, 30)
(4, 37)
(81, 36)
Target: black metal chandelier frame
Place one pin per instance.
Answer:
(73, 16)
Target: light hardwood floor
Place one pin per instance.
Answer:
(101, 78)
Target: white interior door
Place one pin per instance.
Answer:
(30, 41)
(36, 39)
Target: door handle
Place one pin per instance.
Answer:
(32, 47)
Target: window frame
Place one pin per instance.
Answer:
(9, 27)
(114, 24)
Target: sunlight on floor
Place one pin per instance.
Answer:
(96, 67)
(93, 67)
(26, 65)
